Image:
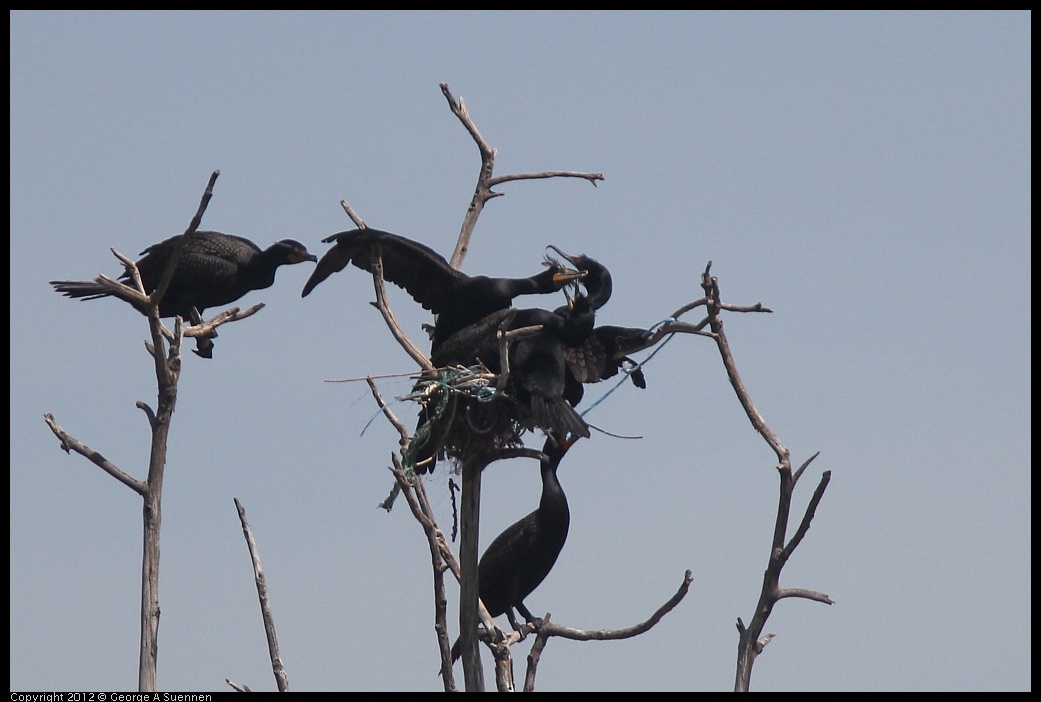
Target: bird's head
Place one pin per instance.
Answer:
(294, 252)
(595, 276)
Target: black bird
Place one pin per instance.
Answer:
(603, 352)
(520, 558)
(537, 363)
(457, 299)
(215, 269)
(538, 367)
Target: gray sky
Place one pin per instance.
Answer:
(866, 176)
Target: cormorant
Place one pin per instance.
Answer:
(520, 558)
(214, 269)
(456, 298)
(537, 366)
(603, 352)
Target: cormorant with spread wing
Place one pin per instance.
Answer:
(456, 298)
(520, 558)
(214, 269)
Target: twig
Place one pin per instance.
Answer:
(355, 217)
(265, 606)
(175, 255)
(750, 639)
(546, 629)
(68, 443)
(485, 181)
(392, 323)
(591, 177)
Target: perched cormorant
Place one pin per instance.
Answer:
(603, 352)
(520, 558)
(214, 269)
(537, 365)
(457, 299)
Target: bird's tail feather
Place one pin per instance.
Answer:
(84, 289)
(556, 415)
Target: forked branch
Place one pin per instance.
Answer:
(751, 640)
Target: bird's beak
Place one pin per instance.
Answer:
(567, 275)
(566, 257)
(301, 255)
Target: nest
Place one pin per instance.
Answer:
(467, 415)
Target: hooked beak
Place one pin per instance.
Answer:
(566, 257)
(301, 255)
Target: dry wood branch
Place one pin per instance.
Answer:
(750, 639)
(175, 255)
(485, 181)
(545, 629)
(441, 554)
(388, 316)
(68, 443)
(167, 371)
(355, 217)
(711, 286)
(123, 291)
(804, 526)
(591, 177)
(624, 633)
(265, 605)
(232, 314)
(411, 487)
(403, 439)
(236, 686)
(482, 192)
(804, 594)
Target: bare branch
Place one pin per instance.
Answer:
(804, 594)
(392, 323)
(152, 421)
(546, 629)
(68, 443)
(591, 177)
(711, 287)
(355, 217)
(627, 632)
(482, 191)
(167, 371)
(485, 181)
(391, 417)
(265, 606)
(750, 642)
(175, 255)
(806, 463)
(236, 686)
(421, 510)
(811, 510)
(232, 314)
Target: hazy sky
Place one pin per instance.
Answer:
(866, 176)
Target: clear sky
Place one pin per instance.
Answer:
(866, 176)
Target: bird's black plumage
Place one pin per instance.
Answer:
(519, 559)
(603, 352)
(214, 269)
(537, 365)
(456, 298)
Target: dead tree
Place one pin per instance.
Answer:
(471, 610)
(165, 350)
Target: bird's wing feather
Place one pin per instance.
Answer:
(417, 268)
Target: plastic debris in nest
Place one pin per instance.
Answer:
(468, 414)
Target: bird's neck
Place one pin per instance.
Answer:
(553, 497)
